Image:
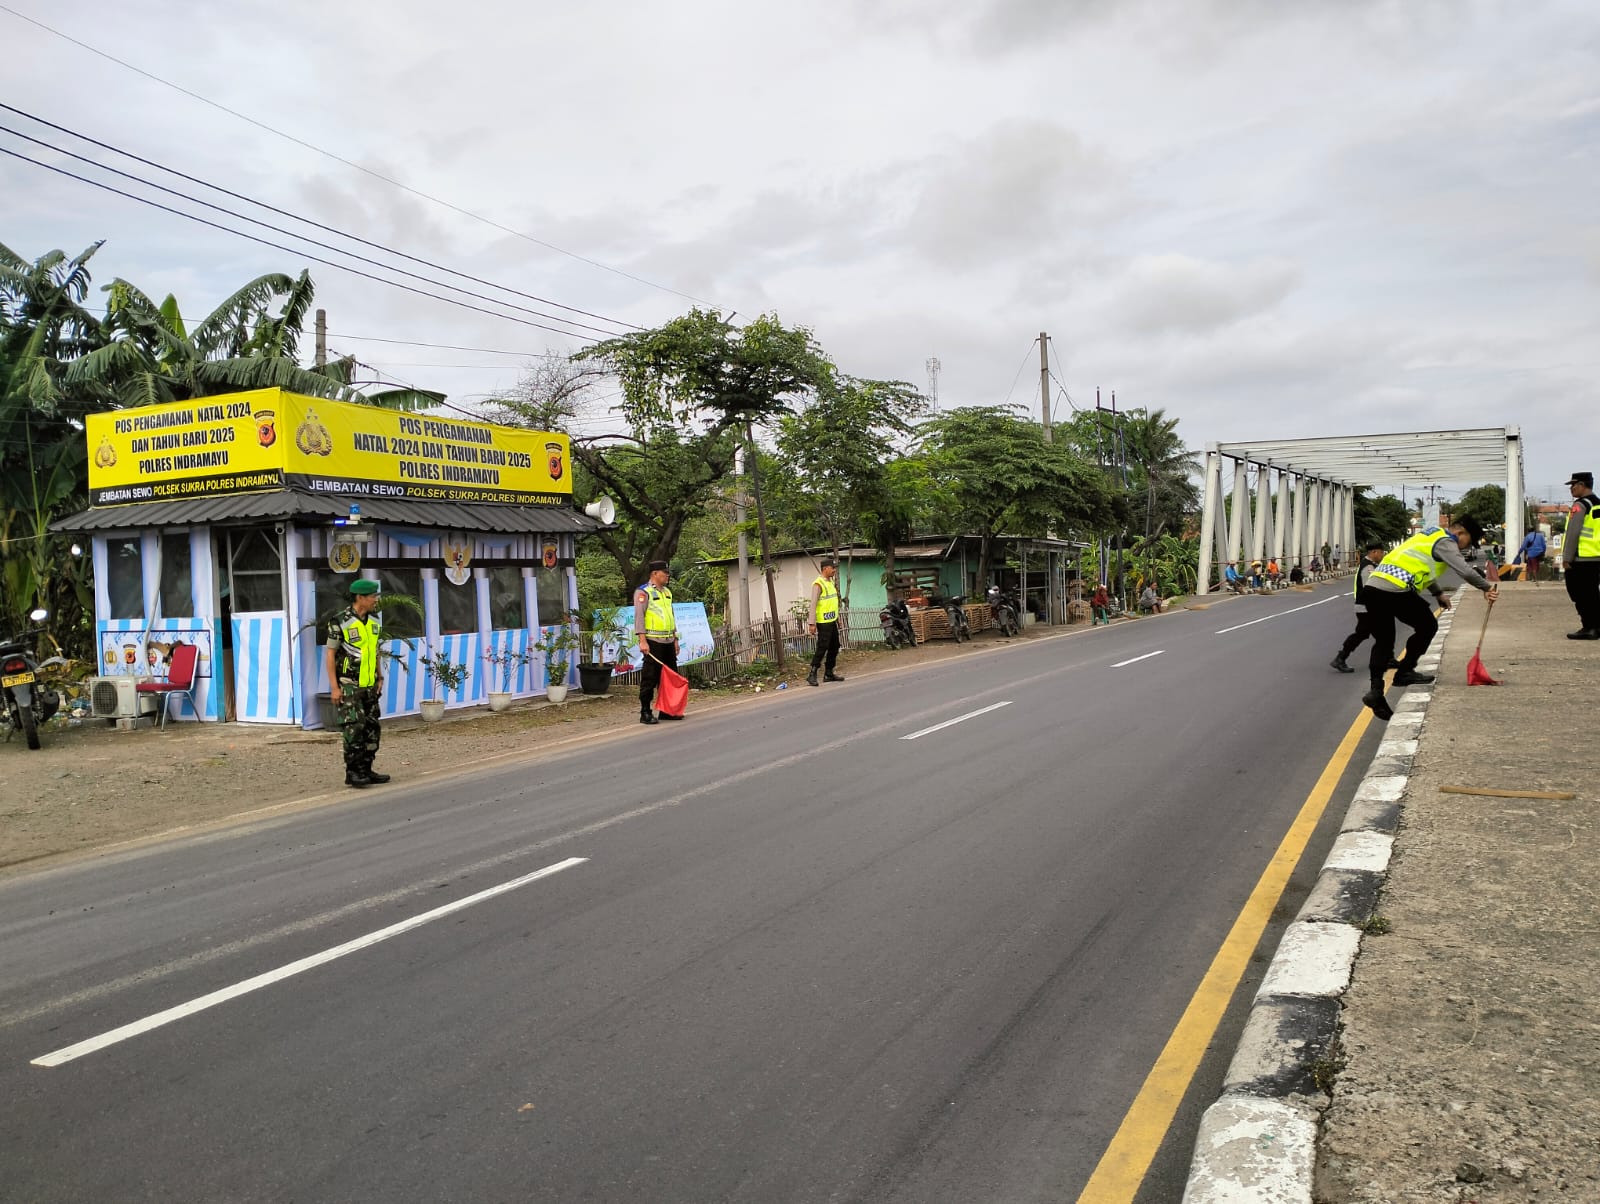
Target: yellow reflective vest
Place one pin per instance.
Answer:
(1412, 564)
(1589, 534)
(359, 638)
(827, 601)
(659, 621)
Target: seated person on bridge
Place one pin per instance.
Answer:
(1231, 578)
(1296, 575)
(1149, 601)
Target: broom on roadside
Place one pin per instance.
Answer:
(1477, 675)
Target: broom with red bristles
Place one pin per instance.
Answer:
(1477, 675)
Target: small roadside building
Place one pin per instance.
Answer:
(1043, 571)
(237, 523)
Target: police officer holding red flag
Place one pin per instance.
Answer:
(657, 629)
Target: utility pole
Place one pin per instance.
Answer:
(1044, 386)
(740, 517)
(322, 338)
(766, 548)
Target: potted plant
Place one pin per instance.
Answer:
(602, 642)
(558, 647)
(446, 676)
(506, 660)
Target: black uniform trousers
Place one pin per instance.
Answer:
(1583, 587)
(1353, 640)
(827, 645)
(1384, 608)
(664, 651)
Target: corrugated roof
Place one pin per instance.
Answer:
(292, 504)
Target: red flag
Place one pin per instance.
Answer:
(672, 698)
(1492, 571)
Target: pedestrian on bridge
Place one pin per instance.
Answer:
(1369, 561)
(1580, 556)
(1394, 592)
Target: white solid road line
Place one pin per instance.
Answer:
(1137, 659)
(1281, 613)
(157, 1019)
(939, 727)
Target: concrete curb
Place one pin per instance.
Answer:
(1257, 1143)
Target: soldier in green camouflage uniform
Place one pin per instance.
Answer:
(356, 681)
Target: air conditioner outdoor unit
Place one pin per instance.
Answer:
(118, 697)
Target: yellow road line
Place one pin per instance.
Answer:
(1127, 1159)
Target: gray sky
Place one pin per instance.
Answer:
(1270, 219)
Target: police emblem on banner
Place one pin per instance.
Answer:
(344, 557)
(312, 437)
(457, 556)
(550, 554)
(266, 427)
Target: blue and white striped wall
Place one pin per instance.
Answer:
(263, 691)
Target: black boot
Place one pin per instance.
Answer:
(647, 717)
(373, 775)
(832, 677)
(811, 678)
(1374, 700)
(1338, 663)
(1411, 677)
(355, 777)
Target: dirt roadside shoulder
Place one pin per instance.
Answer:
(1471, 1043)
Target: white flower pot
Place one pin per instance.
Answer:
(499, 700)
(556, 693)
(432, 710)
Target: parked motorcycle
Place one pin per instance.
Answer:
(895, 618)
(26, 701)
(955, 614)
(1006, 612)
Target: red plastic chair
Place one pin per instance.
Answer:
(180, 679)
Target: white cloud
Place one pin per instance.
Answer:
(1264, 217)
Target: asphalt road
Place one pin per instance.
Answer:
(805, 956)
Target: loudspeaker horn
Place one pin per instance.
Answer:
(602, 508)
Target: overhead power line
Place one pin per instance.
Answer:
(343, 267)
(315, 242)
(377, 175)
(249, 200)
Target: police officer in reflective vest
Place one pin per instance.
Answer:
(355, 682)
(657, 629)
(825, 622)
(1394, 591)
(1369, 561)
(1580, 556)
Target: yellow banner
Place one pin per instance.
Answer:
(269, 439)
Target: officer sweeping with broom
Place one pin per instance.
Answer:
(1394, 593)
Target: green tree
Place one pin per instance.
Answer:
(250, 341)
(1382, 518)
(993, 473)
(1486, 503)
(44, 327)
(691, 389)
(832, 456)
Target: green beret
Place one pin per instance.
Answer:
(362, 585)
